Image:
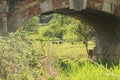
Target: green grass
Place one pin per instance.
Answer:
(69, 61)
(88, 71)
(73, 68)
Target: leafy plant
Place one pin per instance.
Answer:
(17, 57)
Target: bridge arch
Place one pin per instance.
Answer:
(102, 15)
(107, 28)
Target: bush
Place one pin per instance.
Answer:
(17, 57)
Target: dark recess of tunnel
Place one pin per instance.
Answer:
(107, 28)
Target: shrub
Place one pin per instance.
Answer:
(17, 57)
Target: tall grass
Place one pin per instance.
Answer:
(88, 71)
(74, 68)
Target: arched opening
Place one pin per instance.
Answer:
(66, 63)
(71, 49)
(105, 25)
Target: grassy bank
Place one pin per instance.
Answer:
(23, 59)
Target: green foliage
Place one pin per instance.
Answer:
(20, 53)
(87, 71)
(68, 28)
(31, 26)
(17, 57)
(55, 29)
(84, 31)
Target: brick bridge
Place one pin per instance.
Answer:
(102, 15)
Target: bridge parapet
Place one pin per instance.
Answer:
(29, 8)
(109, 6)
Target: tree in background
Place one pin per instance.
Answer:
(29, 27)
(32, 25)
(85, 33)
(56, 27)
